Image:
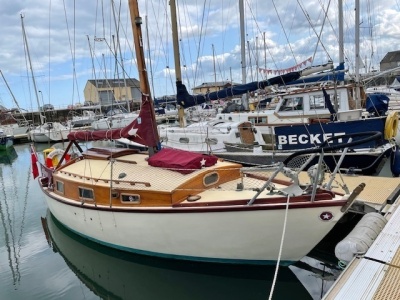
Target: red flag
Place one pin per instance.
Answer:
(34, 160)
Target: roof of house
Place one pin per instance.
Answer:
(111, 83)
(393, 56)
(213, 84)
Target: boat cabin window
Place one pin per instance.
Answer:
(258, 120)
(318, 101)
(210, 179)
(293, 103)
(130, 198)
(60, 187)
(86, 194)
(184, 140)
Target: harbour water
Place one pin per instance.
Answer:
(40, 259)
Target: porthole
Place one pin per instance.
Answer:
(210, 179)
(184, 140)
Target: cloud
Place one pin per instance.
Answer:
(70, 45)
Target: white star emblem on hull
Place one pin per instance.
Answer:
(326, 216)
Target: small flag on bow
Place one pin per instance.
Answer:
(34, 160)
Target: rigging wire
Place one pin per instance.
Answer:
(72, 50)
(313, 28)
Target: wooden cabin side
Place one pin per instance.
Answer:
(210, 178)
(128, 193)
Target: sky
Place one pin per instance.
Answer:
(70, 42)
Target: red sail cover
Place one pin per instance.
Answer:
(142, 130)
(182, 161)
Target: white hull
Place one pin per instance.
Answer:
(252, 237)
(116, 121)
(49, 132)
(19, 132)
(52, 136)
(39, 137)
(207, 136)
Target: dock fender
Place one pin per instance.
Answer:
(391, 125)
(395, 161)
(358, 241)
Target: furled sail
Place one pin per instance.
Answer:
(139, 131)
(334, 75)
(186, 100)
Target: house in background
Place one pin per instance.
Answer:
(208, 87)
(391, 61)
(108, 91)
(389, 70)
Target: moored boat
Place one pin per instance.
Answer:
(184, 205)
(6, 140)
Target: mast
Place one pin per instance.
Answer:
(341, 42)
(243, 51)
(97, 97)
(138, 41)
(215, 72)
(357, 48)
(175, 43)
(149, 55)
(12, 95)
(136, 21)
(120, 55)
(30, 66)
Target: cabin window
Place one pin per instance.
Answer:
(318, 101)
(210, 179)
(290, 104)
(135, 199)
(259, 120)
(211, 141)
(184, 140)
(86, 194)
(60, 187)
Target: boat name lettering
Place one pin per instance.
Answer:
(294, 139)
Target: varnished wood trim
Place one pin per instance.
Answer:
(278, 200)
(203, 209)
(107, 153)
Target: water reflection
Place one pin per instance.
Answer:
(112, 274)
(8, 155)
(12, 212)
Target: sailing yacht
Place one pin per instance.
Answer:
(49, 132)
(184, 205)
(6, 140)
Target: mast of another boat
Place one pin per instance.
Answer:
(243, 52)
(12, 95)
(30, 66)
(120, 55)
(136, 21)
(341, 53)
(357, 48)
(175, 43)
